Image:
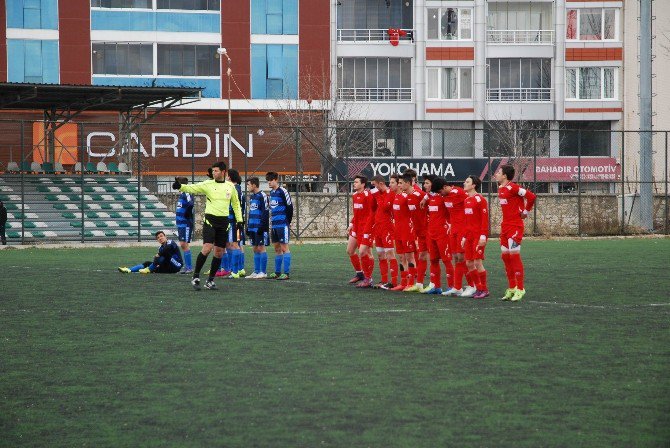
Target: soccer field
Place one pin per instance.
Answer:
(92, 357)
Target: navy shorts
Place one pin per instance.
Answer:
(184, 233)
(280, 234)
(259, 238)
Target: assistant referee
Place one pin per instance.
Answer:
(221, 195)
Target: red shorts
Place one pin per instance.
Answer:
(362, 239)
(383, 236)
(511, 232)
(422, 244)
(473, 251)
(439, 248)
(405, 246)
(455, 239)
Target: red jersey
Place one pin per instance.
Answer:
(454, 201)
(476, 216)
(419, 215)
(513, 201)
(363, 211)
(383, 206)
(403, 204)
(437, 217)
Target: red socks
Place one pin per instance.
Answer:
(384, 269)
(509, 270)
(517, 269)
(394, 271)
(368, 266)
(421, 266)
(355, 262)
(435, 274)
(483, 286)
(459, 270)
(403, 278)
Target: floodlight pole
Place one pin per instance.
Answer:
(224, 52)
(646, 111)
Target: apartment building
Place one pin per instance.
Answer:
(448, 72)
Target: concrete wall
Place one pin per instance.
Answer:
(324, 216)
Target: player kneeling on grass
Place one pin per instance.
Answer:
(258, 227)
(220, 195)
(476, 234)
(167, 261)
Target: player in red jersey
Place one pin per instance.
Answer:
(437, 236)
(420, 219)
(515, 203)
(454, 200)
(476, 234)
(362, 262)
(382, 232)
(405, 238)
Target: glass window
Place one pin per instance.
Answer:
(608, 83)
(466, 24)
(450, 24)
(586, 138)
(590, 24)
(466, 83)
(571, 26)
(274, 17)
(450, 83)
(114, 58)
(433, 83)
(609, 22)
(426, 143)
(187, 60)
(274, 71)
(189, 5)
(144, 4)
(589, 83)
(433, 24)
(571, 83)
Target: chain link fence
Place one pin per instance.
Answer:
(99, 181)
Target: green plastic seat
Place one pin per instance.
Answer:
(115, 215)
(48, 167)
(88, 234)
(39, 234)
(127, 206)
(150, 206)
(101, 224)
(75, 224)
(97, 197)
(92, 215)
(124, 224)
(106, 206)
(110, 233)
(69, 215)
(43, 189)
(113, 168)
(51, 197)
(91, 168)
(60, 207)
(29, 225)
(13, 234)
(12, 207)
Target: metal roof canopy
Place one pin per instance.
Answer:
(62, 102)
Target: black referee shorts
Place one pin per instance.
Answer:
(215, 230)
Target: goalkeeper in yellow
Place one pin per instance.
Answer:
(221, 195)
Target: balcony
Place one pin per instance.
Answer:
(519, 95)
(523, 37)
(370, 35)
(375, 94)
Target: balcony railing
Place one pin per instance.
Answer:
(530, 37)
(375, 94)
(365, 35)
(519, 95)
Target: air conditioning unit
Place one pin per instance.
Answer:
(385, 146)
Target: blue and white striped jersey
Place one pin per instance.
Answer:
(281, 207)
(259, 213)
(184, 210)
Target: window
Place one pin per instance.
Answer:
(374, 15)
(143, 4)
(518, 79)
(449, 83)
(188, 60)
(591, 83)
(274, 17)
(586, 138)
(374, 79)
(447, 139)
(374, 139)
(32, 14)
(113, 58)
(274, 71)
(33, 61)
(190, 5)
(530, 16)
(511, 138)
(592, 24)
(449, 24)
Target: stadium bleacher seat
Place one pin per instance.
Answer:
(92, 215)
(58, 168)
(90, 168)
(123, 168)
(77, 168)
(25, 167)
(48, 168)
(101, 168)
(69, 215)
(13, 167)
(113, 168)
(36, 168)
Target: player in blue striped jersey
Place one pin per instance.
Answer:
(281, 211)
(258, 226)
(185, 221)
(233, 261)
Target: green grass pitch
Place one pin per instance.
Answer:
(92, 357)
